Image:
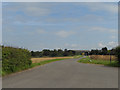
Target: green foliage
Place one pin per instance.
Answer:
(15, 59)
(117, 53)
(103, 62)
(78, 56)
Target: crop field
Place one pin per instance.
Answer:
(103, 57)
(37, 60)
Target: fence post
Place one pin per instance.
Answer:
(110, 57)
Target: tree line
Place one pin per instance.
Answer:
(54, 53)
(103, 51)
(65, 52)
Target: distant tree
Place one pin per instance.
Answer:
(36, 54)
(60, 52)
(54, 53)
(74, 53)
(65, 52)
(32, 53)
(70, 53)
(113, 51)
(46, 52)
(95, 52)
(104, 51)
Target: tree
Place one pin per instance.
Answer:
(95, 52)
(60, 52)
(32, 53)
(70, 53)
(46, 52)
(53, 53)
(104, 51)
(65, 52)
(117, 53)
(113, 51)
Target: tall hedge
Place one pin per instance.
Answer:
(15, 59)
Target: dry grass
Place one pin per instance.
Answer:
(37, 60)
(102, 57)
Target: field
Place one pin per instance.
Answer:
(37, 60)
(103, 57)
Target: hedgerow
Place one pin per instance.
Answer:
(15, 59)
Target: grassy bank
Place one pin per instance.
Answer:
(103, 62)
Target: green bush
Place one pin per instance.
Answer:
(118, 53)
(15, 59)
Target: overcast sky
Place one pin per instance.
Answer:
(38, 26)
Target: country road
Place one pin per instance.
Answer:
(64, 74)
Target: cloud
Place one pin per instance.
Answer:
(109, 44)
(40, 31)
(42, 10)
(82, 19)
(101, 45)
(113, 37)
(98, 6)
(112, 44)
(103, 29)
(27, 8)
(36, 11)
(71, 46)
(40, 19)
(64, 34)
(74, 45)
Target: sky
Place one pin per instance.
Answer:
(60, 25)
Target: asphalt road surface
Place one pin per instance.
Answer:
(64, 74)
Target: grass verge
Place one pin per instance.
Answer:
(77, 56)
(103, 62)
(45, 62)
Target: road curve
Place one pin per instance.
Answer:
(64, 74)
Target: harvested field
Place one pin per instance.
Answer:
(37, 60)
(103, 57)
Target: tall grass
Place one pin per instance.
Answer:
(103, 57)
